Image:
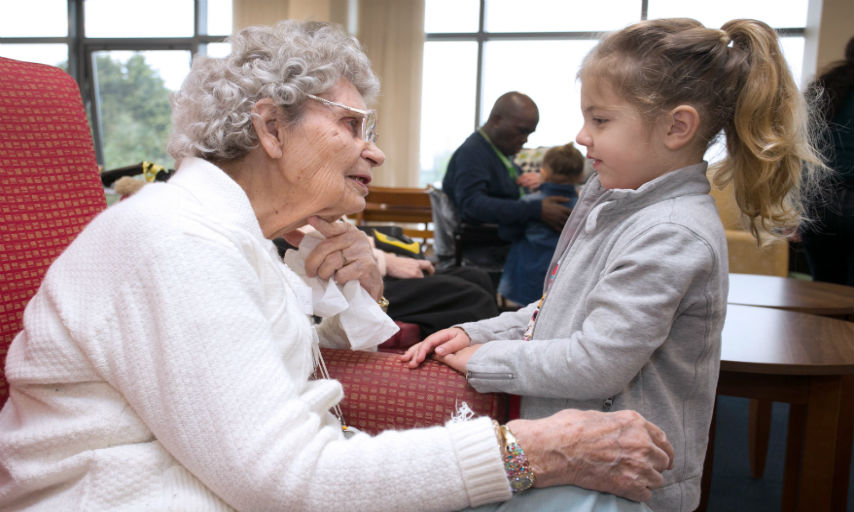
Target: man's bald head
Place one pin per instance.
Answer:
(513, 117)
(512, 104)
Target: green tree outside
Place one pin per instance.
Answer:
(135, 112)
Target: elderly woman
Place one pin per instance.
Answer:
(166, 362)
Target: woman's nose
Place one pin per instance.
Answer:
(373, 154)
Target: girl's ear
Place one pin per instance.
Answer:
(265, 120)
(684, 121)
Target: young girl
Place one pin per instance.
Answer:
(635, 298)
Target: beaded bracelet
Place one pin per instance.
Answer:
(519, 472)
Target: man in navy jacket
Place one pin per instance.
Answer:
(485, 185)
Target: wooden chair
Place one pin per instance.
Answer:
(402, 206)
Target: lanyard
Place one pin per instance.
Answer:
(511, 169)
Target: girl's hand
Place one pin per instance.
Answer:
(346, 254)
(444, 342)
(459, 359)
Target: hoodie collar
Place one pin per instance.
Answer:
(689, 180)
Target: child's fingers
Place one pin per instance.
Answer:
(456, 339)
(424, 349)
(409, 355)
(451, 345)
(415, 355)
(444, 348)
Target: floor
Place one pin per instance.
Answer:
(733, 489)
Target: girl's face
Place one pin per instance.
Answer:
(625, 148)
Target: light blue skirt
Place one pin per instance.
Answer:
(561, 499)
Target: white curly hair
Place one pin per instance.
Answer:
(212, 112)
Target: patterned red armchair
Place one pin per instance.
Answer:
(50, 186)
(50, 190)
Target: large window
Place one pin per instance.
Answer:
(126, 55)
(476, 50)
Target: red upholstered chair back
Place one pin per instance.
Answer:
(49, 183)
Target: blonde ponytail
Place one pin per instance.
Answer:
(770, 159)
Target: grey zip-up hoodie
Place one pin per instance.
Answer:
(632, 319)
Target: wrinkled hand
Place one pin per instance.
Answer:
(619, 452)
(444, 342)
(346, 254)
(554, 213)
(407, 268)
(529, 180)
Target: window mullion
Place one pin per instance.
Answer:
(481, 37)
(200, 28)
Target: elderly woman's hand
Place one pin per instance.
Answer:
(346, 254)
(618, 452)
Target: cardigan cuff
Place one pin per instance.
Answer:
(479, 456)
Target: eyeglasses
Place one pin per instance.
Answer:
(369, 117)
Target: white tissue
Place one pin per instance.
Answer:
(361, 318)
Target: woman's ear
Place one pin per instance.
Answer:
(265, 120)
(684, 121)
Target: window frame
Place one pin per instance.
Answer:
(482, 36)
(82, 48)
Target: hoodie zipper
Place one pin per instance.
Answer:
(488, 376)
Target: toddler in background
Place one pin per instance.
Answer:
(532, 249)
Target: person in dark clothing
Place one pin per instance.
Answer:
(484, 184)
(442, 299)
(829, 241)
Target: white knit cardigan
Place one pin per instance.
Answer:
(164, 365)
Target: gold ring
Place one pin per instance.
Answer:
(383, 304)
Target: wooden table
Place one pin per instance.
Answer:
(807, 361)
(817, 298)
